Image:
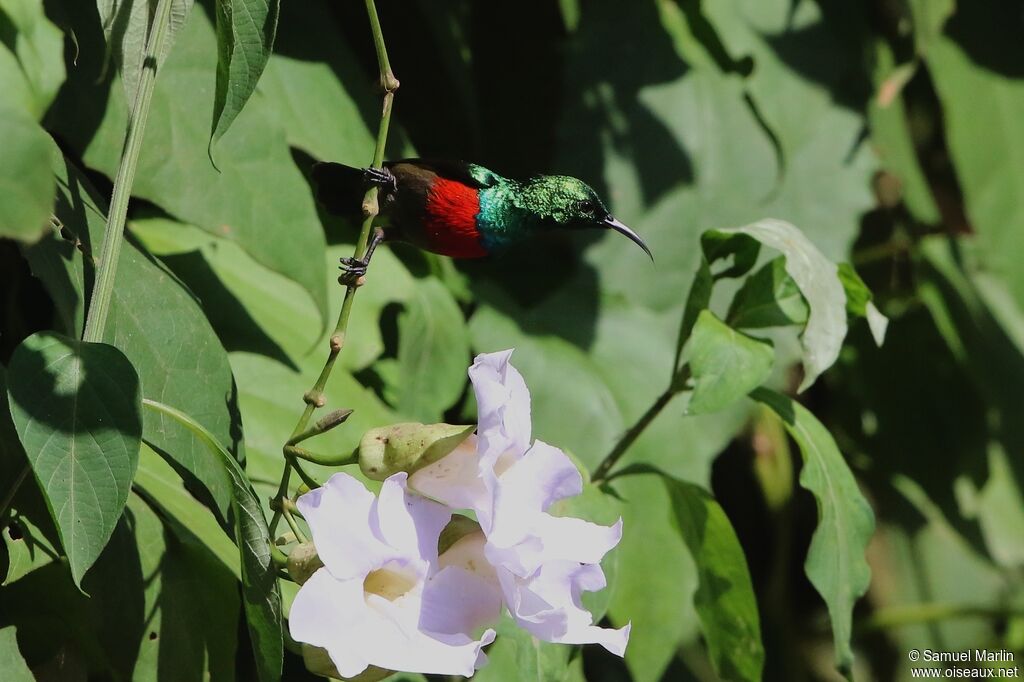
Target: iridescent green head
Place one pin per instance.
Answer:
(566, 202)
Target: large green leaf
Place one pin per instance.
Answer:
(27, 531)
(653, 590)
(245, 38)
(818, 281)
(985, 134)
(26, 181)
(433, 352)
(258, 198)
(127, 25)
(257, 310)
(835, 564)
(260, 590)
(724, 601)
(640, 129)
(191, 604)
(148, 308)
(14, 666)
(518, 655)
(323, 98)
(191, 520)
(38, 46)
(725, 364)
(77, 411)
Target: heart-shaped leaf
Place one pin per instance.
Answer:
(78, 413)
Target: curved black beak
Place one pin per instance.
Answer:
(613, 224)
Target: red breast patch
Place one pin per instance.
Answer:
(450, 220)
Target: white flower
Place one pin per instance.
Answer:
(542, 562)
(382, 598)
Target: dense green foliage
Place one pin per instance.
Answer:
(137, 467)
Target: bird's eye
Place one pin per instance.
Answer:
(586, 206)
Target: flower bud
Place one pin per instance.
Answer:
(459, 527)
(407, 447)
(319, 662)
(303, 562)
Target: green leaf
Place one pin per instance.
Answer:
(76, 409)
(191, 605)
(724, 601)
(653, 590)
(148, 308)
(28, 547)
(697, 300)
(39, 48)
(818, 281)
(518, 655)
(433, 352)
(14, 666)
(859, 303)
(192, 522)
(26, 181)
(984, 134)
(257, 310)
(245, 39)
(835, 564)
(127, 24)
(768, 298)
(724, 363)
(258, 198)
(260, 590)
(319, 89)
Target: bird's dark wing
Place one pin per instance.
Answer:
(467, 173)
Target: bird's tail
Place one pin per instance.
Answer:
(339, 188)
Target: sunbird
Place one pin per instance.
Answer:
(460, 209)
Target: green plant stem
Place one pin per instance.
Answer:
(320, 458)
(631, 435)
(9, 497)
(916, 614)
(293, 524)
(315, 396)
(113, 235)
(675, 387)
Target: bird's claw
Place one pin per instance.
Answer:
(353, 268)
(380, 177)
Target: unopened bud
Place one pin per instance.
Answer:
(459, 527)
(303, 562)
(407, 447)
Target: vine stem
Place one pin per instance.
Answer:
(676, 387)
(314, 398)
(113, 235)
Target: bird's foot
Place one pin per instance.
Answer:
(352, 268)
(380, 177)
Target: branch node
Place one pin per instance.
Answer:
(315, 398)
(337, 341)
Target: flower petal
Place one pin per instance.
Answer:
(454, 479)
(407, 522)
(553, 594)
(570, 539)
(323, 613)
(358, 629)
(338, 514)
(458, 601)
(503, 403)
